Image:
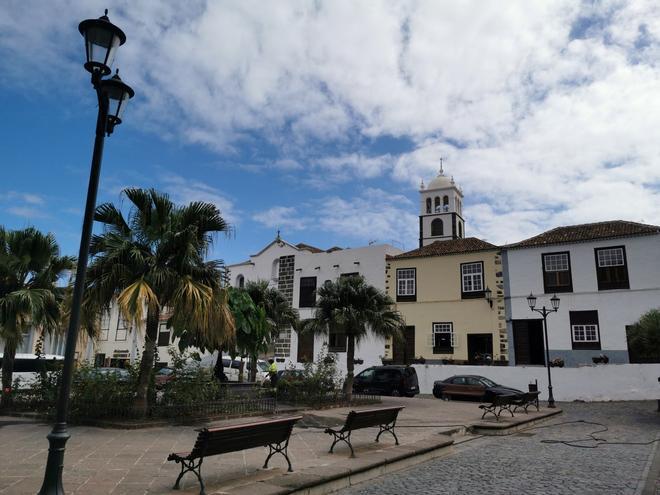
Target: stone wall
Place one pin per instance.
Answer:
(285, 286)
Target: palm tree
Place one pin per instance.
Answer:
(30, 268)
(279, 314)
(154, 259)
(352, 307)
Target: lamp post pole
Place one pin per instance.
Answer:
(544, 312)
(106, 90)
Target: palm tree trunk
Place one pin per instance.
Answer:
(218, 370)
(7, 372)
(147, 364)
(350, 355)
(253, 368)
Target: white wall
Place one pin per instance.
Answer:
(588, 383)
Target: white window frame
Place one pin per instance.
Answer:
(472, 277)
(105, 326)
(583, 329)
(607, 258)
(443, 328)
(551, 262)
(409, 285)
(125, 328)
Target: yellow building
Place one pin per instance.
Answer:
(450, 290)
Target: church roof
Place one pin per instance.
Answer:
(442, 248)
(307, 247)
(588, 232)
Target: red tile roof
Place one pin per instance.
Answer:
(441, 248)
(588, 232)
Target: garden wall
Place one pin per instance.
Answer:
(588, 383)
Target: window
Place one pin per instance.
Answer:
(585, 333)
(105, 326)
(611, 268)
(336, 341)
(460, 230)
(122, 329)
(445, 203)
(406, 284)
(240, 281)
(557, 273)
(428, 205)
(443, 338)
(472, 280)
(436, 203)
(436, 227)
(163, 335)
(307, 292)
(584, 329)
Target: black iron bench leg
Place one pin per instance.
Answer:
(341, 437)
(278, 448)
(489, 410)
(390, 429)
(193, 467)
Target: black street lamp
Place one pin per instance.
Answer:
(102, 38)
(554, 300)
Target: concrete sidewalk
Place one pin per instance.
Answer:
(101, 461)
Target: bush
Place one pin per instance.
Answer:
(319, 383)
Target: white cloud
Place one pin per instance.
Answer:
(183, 190)
(374, 215)
(546, 111)
(281, 217)
(27, 212)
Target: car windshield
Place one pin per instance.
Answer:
(488, 383)
(262, 366)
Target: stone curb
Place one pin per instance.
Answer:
(507, 428)
(318, 480)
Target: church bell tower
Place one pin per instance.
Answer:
(441, 210)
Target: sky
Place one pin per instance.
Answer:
(320, 118)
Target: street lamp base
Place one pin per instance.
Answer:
(551, 399)
(57, 439)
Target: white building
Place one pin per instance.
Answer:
(606, 274)
(297, 270)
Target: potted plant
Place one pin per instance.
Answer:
(557, 363)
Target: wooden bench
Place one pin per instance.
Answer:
(527, 400)
(498, 404)
(383, 417)
(273, 434)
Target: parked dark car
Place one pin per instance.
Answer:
(387, 380)
(470, 387)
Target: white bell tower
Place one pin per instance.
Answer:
(441, 210)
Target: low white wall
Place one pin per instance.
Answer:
(588, 383)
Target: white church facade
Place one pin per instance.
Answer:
(297, 270)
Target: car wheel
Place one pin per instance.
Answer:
(410, 396)
(395, 392)
(445, 396)
(437, 395)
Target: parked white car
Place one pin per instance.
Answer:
(27, 366)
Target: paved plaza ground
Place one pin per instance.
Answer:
(104, 461)
(521, 463)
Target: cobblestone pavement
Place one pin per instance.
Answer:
(520, 463)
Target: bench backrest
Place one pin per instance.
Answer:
(371, 417)
(502, 400)
(530, 396)
(212, 441)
